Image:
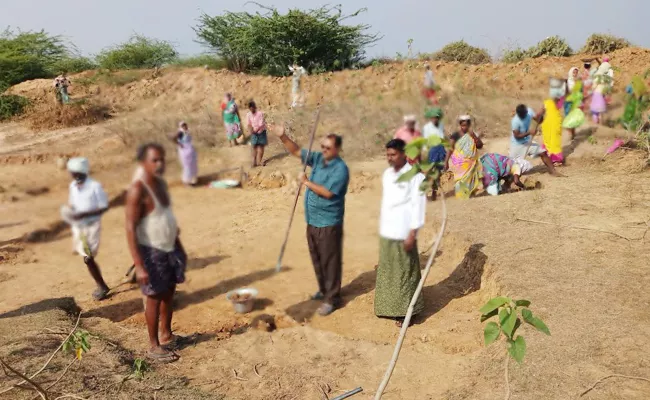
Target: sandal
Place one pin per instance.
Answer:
(176, 343)
(100, 294)
(164, 358)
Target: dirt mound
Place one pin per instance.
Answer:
(48, 116)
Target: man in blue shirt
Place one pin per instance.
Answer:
(324, 210)
(521, 137)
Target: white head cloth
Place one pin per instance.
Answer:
(79, 165)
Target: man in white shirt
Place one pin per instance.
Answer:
(402, 215)
(87, 202)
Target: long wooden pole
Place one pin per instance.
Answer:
(530, 142)
(278, 266)
(414, 299)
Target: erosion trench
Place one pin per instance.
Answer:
(584, 268)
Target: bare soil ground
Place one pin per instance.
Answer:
(590, 286)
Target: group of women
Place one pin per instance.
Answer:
(593, 85)
(472, 172)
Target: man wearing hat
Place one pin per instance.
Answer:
(87, 202)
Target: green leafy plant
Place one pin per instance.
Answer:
(12, 105)
(77, 342)
(635, 117)
(462, 52)
(553, 46)
(29, 55)
(73, 65)
(431, 173)
(139, 52)
(140, 368)
(599, 43)
(511, 314)
(268, 41)
(514, 55)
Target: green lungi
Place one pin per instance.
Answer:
(398, 275)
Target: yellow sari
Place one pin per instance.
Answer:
(466, 167)
(552, 131)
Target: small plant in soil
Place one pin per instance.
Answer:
(140, 367)
(77, 342)
(511, 315)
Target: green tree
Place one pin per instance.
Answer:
(268, 41)
(138, 52)
(29, 55)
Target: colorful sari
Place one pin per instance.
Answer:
(231, 119)
(552, 131)
(465, 165)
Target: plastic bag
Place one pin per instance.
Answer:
(574, 119)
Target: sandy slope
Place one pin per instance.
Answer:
(590, 287)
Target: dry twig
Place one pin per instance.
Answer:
(255, 370)
(48, 360)
(62, 374)
(70, 396)
(584, 228)
(234, 371)
(639, 378)
(36, 386)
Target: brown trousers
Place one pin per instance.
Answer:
(326, 250)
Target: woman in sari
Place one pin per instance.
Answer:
(463, 159)
(231, 120)
(602, 82)
(497, 168)
(552, 126)
(574, 96)
(186, 154)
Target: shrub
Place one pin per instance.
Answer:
(513, 56)
(72, 65)
(28, 55)
(11, 105)
(553, 46)
(602, 44)
(200, 61)
(268, 42)
(138, 52)
(462, 52)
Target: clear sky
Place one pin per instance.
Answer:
(494, 25)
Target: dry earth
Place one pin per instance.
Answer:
(589, 285)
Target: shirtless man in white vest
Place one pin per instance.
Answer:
(158, 255)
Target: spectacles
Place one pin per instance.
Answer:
(323, 147)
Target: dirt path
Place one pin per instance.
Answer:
(588, 286)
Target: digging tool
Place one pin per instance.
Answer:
(348, 394)
(530, 142)
(278, 266)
